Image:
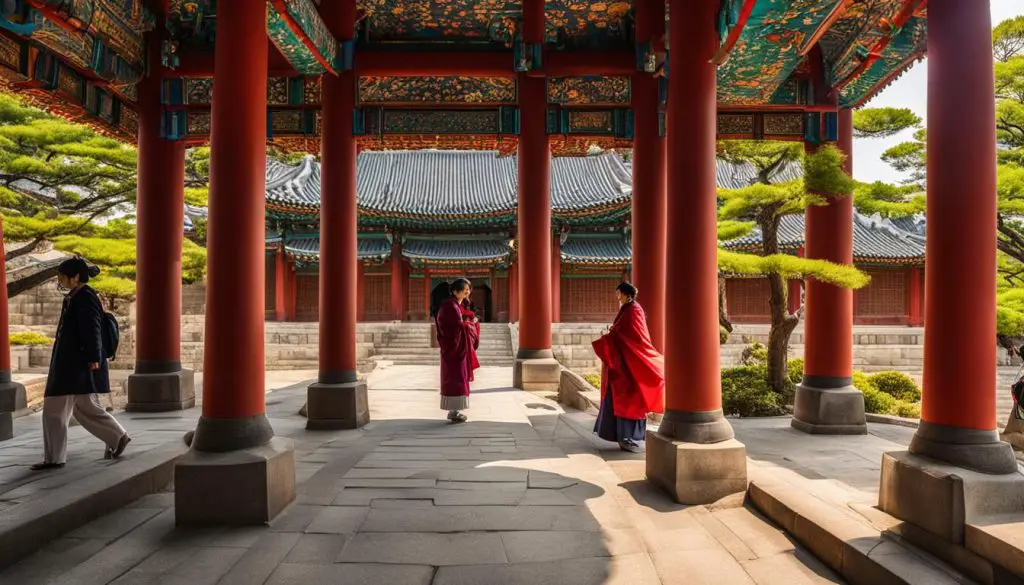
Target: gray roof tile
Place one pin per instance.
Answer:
(593, 249)
(453, 183)
(874, 238)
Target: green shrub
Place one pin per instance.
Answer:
(746, 392)
(755, 355)
(723, 335)
(878, 402)
(796, 370)
(898, 385)
(593, 379)
(29, 338)
(906, 409)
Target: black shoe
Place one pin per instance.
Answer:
(630, 446)
(46, 466)
(122, 444)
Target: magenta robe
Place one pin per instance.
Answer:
(455, 337)
(631, 367)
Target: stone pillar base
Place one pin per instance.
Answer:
(12, 399)
(941, 498)
(829, 409)
(161, 392)
(695, 474)
(537, 374)
(244, 487)
(974, 449)
(337, 406)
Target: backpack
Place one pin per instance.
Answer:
(111, 335)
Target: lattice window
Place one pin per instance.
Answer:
(378, 297)
(885, 296)
(746, 299)
(270, 278)
(588, 299)
(307, 297)
(417, 299)
(501, 297)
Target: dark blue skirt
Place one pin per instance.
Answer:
(615, 429)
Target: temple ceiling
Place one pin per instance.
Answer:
(87, 57)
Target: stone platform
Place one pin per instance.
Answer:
(522, 493)
(39, 507)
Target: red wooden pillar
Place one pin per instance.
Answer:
(513, 292)
(396, 301)
(360, 291)
(649, 201)
(12, 395)
(534, 209)
(495, 295)
(280, 277)
(234, 444)
(338, 400)
(958, 422)
(290, 291)
(556, 280)
(693, 455)
(826, 401)
(916, 297)
(158, 383)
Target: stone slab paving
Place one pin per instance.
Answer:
(519, 494)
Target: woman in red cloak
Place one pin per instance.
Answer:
(632, 375)
(469, 316)
(456, 338)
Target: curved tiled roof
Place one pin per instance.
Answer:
(596, 249)
(874, 238)
(465, 250)
(435, 184)
(307, 248)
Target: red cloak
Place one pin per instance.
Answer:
(469, 316)
(631, 366)
(455, 338)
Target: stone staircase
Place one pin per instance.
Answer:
(408, 344)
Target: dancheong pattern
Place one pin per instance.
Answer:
(437, 90)
(87, 57)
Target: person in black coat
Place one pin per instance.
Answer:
(78, 371)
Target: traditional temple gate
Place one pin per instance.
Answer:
(527, 77)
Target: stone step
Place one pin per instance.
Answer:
(854, 546)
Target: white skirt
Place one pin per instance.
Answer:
(454, 402)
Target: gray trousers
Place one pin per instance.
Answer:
(57, 412)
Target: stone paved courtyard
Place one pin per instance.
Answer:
(519, 494)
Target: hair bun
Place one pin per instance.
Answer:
(94, 271)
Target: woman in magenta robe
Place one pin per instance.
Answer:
(456, 338)
(632, 375)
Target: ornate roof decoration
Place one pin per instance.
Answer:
(592, 90)
(300, 34)
(92, 56)
(870, 43)
(101, 38)
(768, 49)
(875, 240)
(437, 90)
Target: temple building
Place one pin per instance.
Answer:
(429, 216)
(666, 79)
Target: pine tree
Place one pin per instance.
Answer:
(763, 205)
(61, 184)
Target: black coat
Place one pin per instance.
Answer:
(79, 343)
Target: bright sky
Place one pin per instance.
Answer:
(909, 91)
